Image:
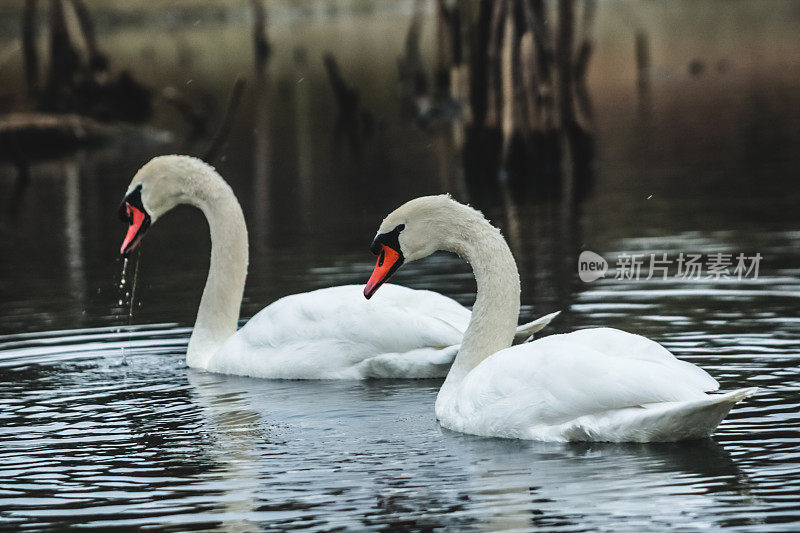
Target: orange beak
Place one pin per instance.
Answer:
(389, 260)
(137, 224)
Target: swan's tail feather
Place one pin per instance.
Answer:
(735, 396)
(695, 419)
(526, 331)
(657, 422)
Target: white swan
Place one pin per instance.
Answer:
(594, 384)
(325, 334)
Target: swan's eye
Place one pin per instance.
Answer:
(388, 239)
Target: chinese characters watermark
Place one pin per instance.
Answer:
(683, 266)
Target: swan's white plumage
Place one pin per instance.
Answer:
(335, 333)
(596, 384)
(593, 384)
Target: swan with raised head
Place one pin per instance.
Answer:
(329, 333)
(597, 384)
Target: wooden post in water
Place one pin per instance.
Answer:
(527, 93)
(29, 53)
(643, 69)
(262, 146)
(260, 40)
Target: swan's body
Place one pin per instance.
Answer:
(325, 334)
(596, 384)
(593, 384)
(331, 334)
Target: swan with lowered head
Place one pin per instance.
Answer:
(597, 384)
(329, 333)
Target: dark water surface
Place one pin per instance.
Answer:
(102, 424)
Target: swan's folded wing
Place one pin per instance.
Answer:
(394, 320)
(562, 377)
(327, 333)
(621, 344)
(425, 305)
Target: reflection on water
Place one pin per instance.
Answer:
(705, 162)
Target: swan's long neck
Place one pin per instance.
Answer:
(496, 310)
(218, 315)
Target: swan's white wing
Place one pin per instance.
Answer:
(525, 331)
(560, 378)
(617, 343)
(327, 333)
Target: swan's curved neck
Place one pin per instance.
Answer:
(218, 315)
(496, 310)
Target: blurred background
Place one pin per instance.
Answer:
(609, 126)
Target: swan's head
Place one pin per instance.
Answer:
(157, 187)
(415, 230)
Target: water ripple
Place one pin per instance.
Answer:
(87, 439)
